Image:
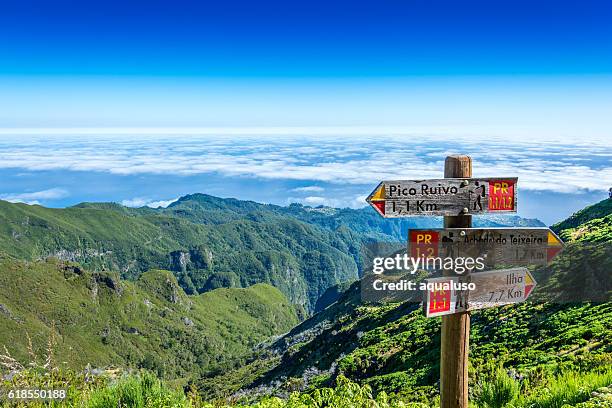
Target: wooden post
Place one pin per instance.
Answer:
(456, 327)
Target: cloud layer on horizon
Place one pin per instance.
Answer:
(540, 166)
(35, 197)
(147, 202)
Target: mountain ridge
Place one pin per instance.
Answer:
(210, 242)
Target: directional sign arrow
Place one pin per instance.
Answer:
(404, 198)
(490, 289)
(496, 246)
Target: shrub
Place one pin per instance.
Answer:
(139, 391)
(568, 388)
(498, 392)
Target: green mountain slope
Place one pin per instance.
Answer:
(98, 319)
(301, 260)
(394, 348)
(591, 224)
(209, 242)
(590, 213)
(203, 208)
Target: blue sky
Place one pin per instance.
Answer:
(516, 83)
(544, 66)
(305, 38)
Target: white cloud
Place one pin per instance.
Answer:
(315, 201)
(308, 189)
(161, 203)
(35, 197)
(365, 160)
(135, 202)
(146, 202)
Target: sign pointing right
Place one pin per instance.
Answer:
(490, 289)
(497, 246)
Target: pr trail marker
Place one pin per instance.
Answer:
(497, 246)
(491, 289)
(449, 196)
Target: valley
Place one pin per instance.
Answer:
(240, 301)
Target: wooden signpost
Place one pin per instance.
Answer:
(458, 196)
(491, 289)
(455, 330)
(497, 246)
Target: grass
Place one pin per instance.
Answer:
(564, 390)
(498, 392)
(144, 390)
(151, 323)
(569, 388)
(137, 390)
(141, 391)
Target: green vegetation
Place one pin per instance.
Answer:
(571, 389)
(208, 242)
(98, 319)
(596, 230)
(301, 260)
(395, 349)
(174, 347)
(591, 224)
(142, 389)
(145, 390)
(592, 212)
(497, 392)
(137, 390)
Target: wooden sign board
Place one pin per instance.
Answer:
(497, 246)
(404, 198)
(491, 289)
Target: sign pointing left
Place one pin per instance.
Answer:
(377, 199)
(449, 196)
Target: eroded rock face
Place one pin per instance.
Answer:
(109, 281)
(179, 260)
(198, 257)
(72, 269)
(174, 292)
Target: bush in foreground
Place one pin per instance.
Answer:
(144, 390)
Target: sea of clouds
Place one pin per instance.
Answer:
(317, 162)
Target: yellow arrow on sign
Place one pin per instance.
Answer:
(554, 245)
(377, 199)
